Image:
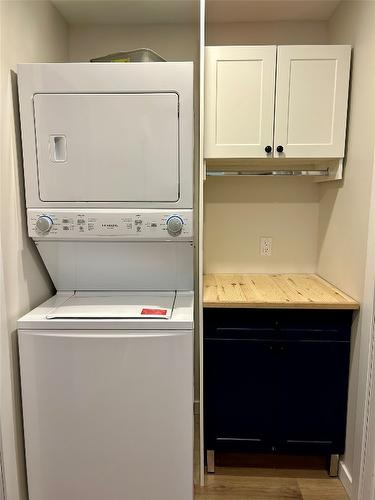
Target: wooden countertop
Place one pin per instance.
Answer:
(286, 291)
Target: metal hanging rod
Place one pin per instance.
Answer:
(268, 173)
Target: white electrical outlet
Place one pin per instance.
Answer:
(266, 246)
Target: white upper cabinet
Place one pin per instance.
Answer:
(240, 83)
(308, 117)
(311, 100)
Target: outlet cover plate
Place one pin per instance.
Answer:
(265, 246)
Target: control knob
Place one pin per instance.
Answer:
(174, 225)
(44, 224)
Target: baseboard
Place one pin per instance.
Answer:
(345, 478)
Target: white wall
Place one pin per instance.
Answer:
(364, 449)
(267, 33)
(174, 42)
(344, 209)
(237, 212)
(30, 32)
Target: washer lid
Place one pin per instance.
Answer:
(125, 305)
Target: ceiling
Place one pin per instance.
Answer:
(186, 11)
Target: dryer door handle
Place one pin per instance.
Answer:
(57, 148)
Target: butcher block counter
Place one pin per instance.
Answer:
(273, 291)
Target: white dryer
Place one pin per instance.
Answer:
(101, 135)
(107, 363)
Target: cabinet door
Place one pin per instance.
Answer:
(240, 83)
(238, 394)
(311, 100)
(312, 394)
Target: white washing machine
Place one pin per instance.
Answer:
(107, 363)
(107, 396)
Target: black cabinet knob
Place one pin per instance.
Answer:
(279, 149)
(268, 149)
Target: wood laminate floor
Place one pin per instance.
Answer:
(270, 484)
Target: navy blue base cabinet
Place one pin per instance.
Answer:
(276, 380)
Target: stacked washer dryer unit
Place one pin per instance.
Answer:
(107, 363)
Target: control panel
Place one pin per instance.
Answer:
(120, 224)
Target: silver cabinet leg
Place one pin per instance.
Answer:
(211, 461)
(334, 465)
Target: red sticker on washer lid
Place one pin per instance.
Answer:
(154, 312)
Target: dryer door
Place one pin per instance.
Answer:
(107, 147)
